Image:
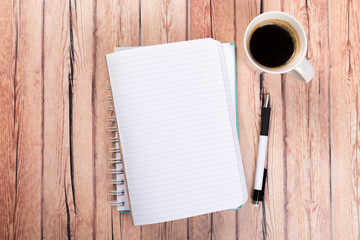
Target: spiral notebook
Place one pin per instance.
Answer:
(175, 112)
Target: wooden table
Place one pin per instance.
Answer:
(53, 139)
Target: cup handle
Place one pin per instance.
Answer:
(304, 71)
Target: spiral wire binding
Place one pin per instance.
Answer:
(114, 159)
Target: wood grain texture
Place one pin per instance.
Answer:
(22, 81)
(199, 22)
(274, 207)
(176, 29)
(102, 45)
(298, 185)
(128, 34)
(53, 140)
(82, 105)
(58, 204)
(224, 224)
(318, 198)
(199, 19)
(154, 30)
(164, 21)
(307, 151)
(344, 118)
(29, 79)
(248, 87)
(8, 123)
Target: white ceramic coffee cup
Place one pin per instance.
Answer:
(298, 67)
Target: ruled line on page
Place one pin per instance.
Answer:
(205, 75)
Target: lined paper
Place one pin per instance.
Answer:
(176, 124)
(229, 52)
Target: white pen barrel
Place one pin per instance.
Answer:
(260, 162)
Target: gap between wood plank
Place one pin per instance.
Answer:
(71, 82)
(93, 106)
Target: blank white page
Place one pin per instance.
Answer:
(176, 127)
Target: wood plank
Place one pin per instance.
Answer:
(58, 206)
(129, 23)
(297, 139)
(248, 86)
(8, 123)
(128, 231)
(162, 22)
(199, 22)
(199, 19)
(200, 227)
(106, 38)
(153, 231)
(224, 225)
(115, 224)
(176, 229)
(354, 36)
(82, 145)
(344, 118)
(318, 201)
(176, 29)
(299, 169)
(273, 207)
(128, 34)
(223, 20)
(121, 28)
(176, 21)
(307, 133)
(153, 22)
(28, 119)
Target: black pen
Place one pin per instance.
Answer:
(261, 172)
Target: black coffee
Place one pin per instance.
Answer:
(272, 45)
